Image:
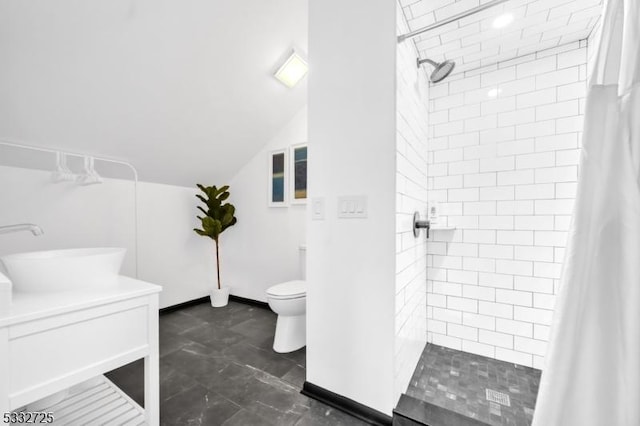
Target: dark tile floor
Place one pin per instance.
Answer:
(458, 381)
(217, 367)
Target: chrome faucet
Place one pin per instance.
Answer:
(35, 229)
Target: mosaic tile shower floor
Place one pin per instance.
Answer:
(458, 381)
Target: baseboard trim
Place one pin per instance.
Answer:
(345, 404)
(246, 301)
(182, 305)
(207, 299)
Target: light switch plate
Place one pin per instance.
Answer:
(352, 207)
(317, 208)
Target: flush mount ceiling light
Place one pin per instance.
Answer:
(292, 71)
(502, 20)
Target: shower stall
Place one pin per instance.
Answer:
(488, 145)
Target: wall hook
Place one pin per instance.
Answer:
(62, 173)
(90, 176)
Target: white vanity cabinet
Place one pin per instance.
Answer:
(52, 342)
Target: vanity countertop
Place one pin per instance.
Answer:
(31, 306)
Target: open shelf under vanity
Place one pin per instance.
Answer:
(58, 346)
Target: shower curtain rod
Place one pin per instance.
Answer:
(450, 19)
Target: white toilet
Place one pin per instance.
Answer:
(289, 301)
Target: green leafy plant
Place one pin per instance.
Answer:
(217, 216)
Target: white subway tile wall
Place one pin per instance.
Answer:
(473, 42)
(411, 189)
(504, 166)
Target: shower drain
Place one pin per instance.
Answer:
(499, 397)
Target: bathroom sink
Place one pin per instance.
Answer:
(64, 270)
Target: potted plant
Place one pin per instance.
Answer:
(217, 218)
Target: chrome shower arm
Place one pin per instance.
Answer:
(426, 61)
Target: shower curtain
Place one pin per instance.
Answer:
(592, 368)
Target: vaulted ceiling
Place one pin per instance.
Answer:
(473, 42)
(183, 89)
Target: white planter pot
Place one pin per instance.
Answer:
(220, 297)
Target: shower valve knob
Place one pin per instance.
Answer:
(419, 224)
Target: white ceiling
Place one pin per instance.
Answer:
(472, 42)
(180, 88)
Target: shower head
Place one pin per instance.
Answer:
(441, 70)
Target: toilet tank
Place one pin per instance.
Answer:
(303, 260)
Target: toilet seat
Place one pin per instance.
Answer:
(288, 290)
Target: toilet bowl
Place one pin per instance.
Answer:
(289, 301)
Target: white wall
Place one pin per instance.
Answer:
(262, 249)
(183, 90)
(411, 195)
(169, 252)
(174, 112)
(70, 215)
(351, 262)
(505, 170)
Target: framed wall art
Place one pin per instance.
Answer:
(298, 185)
(278, 178)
